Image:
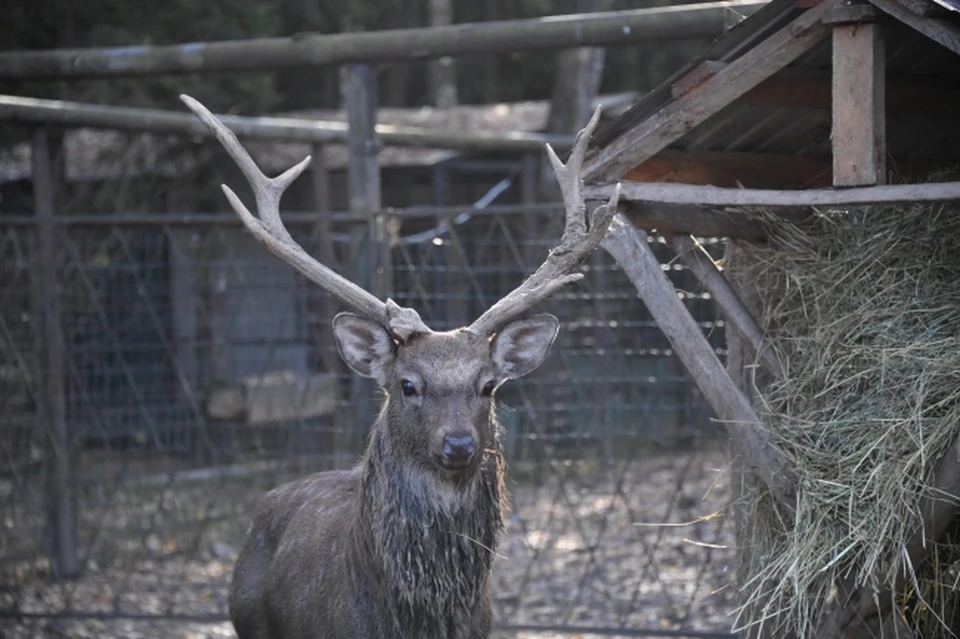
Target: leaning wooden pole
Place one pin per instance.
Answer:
(734, 310)
(628, 246)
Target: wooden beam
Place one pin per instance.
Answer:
(734, 310)
(732, 169)
(943, 32)
(715, 196)
(629, 248)
(705, 20)
(61, 455)
(41, 111)
(679, 116)
(858, 134)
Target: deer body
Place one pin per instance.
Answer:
(403, 544)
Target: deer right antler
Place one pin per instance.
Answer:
(267, 227)
(576, 244)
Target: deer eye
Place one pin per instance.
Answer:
(488, 388)
(407, 387)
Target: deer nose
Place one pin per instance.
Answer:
(458, 449)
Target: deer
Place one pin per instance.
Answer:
(403, 543)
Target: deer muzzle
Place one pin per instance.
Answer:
(458, 450)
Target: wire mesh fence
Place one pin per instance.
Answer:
(175, 371)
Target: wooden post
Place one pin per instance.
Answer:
(859, 120)
(374, 269)
(364, 171)
(327, 306)
(629, 248)
(61, 499)
(324, 304)
(531, 229)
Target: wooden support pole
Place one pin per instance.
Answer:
(61, 498)
(324, 305)
(304, 50)
(371, 256)
(734, 310)
(858, 135)
(363, 170)
(629, 248)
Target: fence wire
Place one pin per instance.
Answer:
(198, 371)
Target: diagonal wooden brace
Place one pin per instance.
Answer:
(734, 310)
(628, 246)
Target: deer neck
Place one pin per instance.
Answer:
(431, 540)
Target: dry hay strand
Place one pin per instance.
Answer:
(863, 307)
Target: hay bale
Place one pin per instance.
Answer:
(863, 307)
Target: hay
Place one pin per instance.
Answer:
(863, 307)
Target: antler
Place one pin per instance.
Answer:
(575, 246)
(269, 229)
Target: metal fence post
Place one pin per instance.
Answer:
(61, 498)
(374, 268)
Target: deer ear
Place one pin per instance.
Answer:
(522, 345)
(364, 345)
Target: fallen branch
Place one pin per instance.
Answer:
(628, 246)
(717, 196)
(852, 616)
(734, 310)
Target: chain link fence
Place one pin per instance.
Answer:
(158, 374)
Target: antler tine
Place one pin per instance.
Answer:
(269, 229)
(576, 244)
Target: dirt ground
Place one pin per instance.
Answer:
(641, 544)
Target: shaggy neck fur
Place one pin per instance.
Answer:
(430, 541)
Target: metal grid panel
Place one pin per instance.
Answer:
(604, 442)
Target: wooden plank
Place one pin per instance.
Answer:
(733, 169)
(715, 196)
(924, 8)
(850, 14)
(858, 133)
(677, 117)
(629, 248)
(941, 31)
(697, 76)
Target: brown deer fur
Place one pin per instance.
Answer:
(402, 545)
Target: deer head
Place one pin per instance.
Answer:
(439, 385)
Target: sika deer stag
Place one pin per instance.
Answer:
(401, 545)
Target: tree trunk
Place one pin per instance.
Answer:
(575, 87)
(443, 77)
